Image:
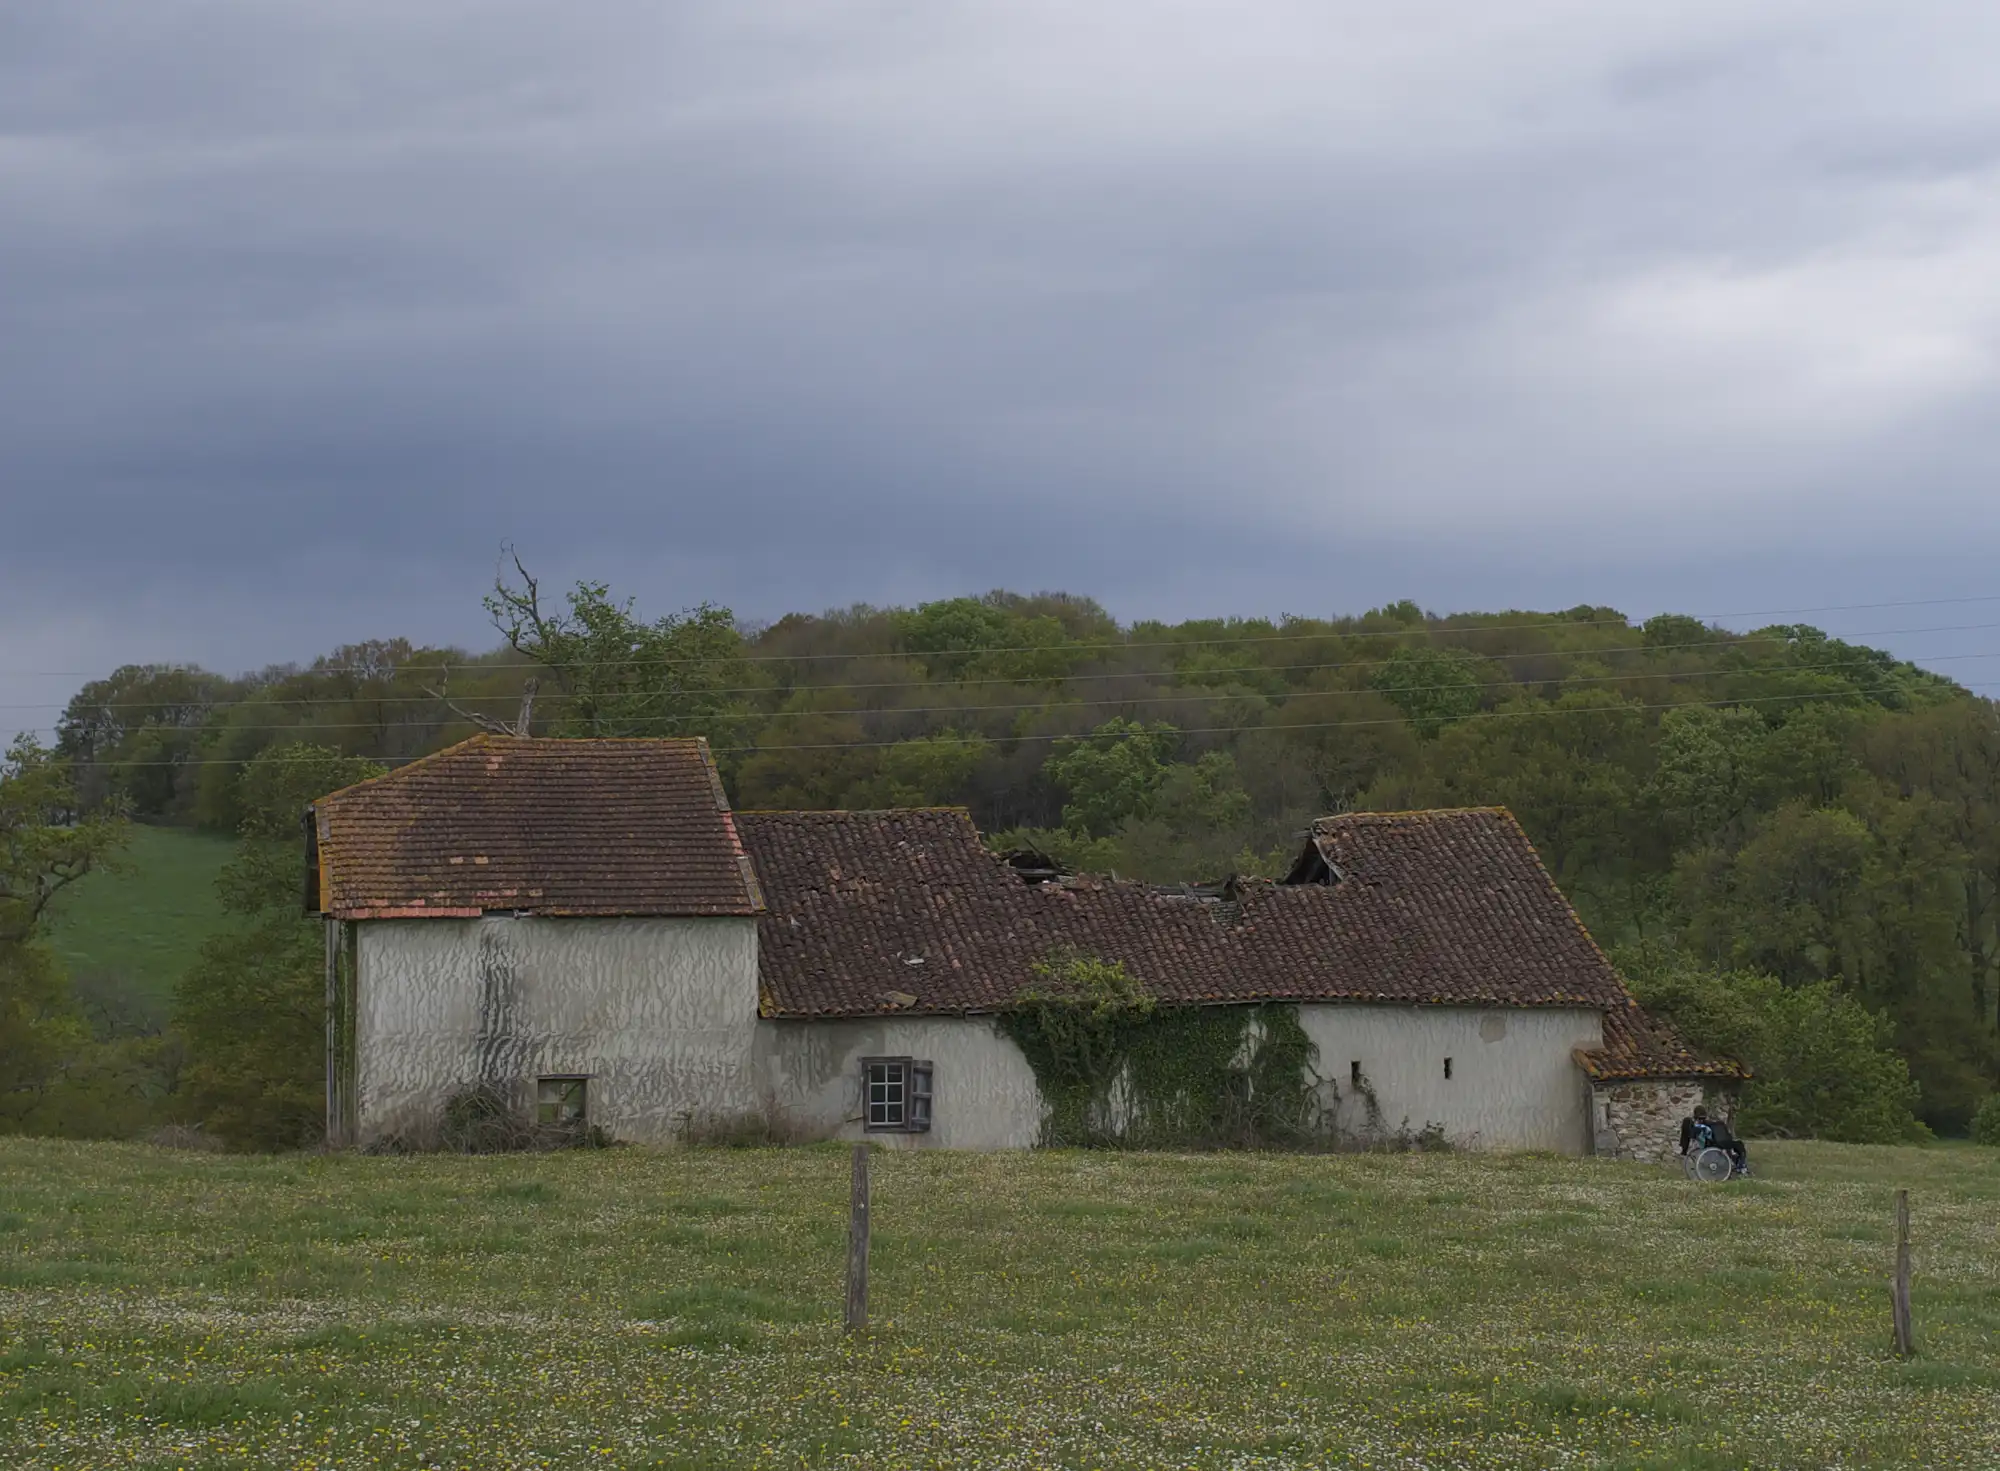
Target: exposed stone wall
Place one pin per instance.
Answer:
(1641, 1120)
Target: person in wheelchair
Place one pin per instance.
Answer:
(1702, 1132)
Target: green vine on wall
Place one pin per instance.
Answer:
(1117, 1069)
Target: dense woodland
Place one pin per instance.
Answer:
(1790, 841)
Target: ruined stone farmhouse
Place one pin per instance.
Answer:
(585, 929)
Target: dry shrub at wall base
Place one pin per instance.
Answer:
(1430, 1139)
(486, 1120)
(1376, 1137)
(185, 1136)
(767, 1125)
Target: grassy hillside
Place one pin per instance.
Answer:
(636, 1308)
(126, 937)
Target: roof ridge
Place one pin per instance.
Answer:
(957, 808)
(555, 740)
(494, 737)
(1407, 812)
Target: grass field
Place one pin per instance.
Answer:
(630, 1308)
(126, 937)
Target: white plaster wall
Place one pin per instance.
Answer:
(661, 1013)
(985, 1094)
(1514, 1084)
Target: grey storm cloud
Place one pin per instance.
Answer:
(1195, 307)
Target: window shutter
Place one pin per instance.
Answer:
(920, 1096)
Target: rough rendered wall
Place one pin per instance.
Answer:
(1513, 1083)
(661, 1013)
(1642, 1120)
(985, 1094)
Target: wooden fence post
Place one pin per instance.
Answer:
(857, 1244)
(1899, 1296)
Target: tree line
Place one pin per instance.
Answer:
(1790, 841)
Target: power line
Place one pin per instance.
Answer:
(1548, 713)
(1851, 607)
(1186, 696)
(1545, 622)
(1733, 642)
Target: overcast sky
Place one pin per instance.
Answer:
(1225, 308)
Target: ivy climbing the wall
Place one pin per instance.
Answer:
(1116, 1069)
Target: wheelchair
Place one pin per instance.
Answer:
(1708, 1164)
(1708, 1161)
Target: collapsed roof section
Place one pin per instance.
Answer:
(1443, 908)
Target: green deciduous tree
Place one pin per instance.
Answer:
(987, 639)
(1668, 633)
(813, 757)
(1825, 1065)
(252, 1008)
(133, 738)
(1195, 826)
(1950, 753)
(45, 846)
(949, 635)
(1789, 901)
(1868, 898)
(1432, 686)
(1704, 776)
(1112, 774)
(617, 675)
(46, 842)
(1986, 1123)
(927, 771)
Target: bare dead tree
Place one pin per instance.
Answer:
(519, 726)
(518, 615)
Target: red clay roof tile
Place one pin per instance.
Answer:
(569, 827)
(1637, 1045)
(1443, 908)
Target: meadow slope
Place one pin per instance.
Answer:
(632, 1308)
(126, 934)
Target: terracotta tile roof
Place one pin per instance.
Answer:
(905, 911)
(1637, 1045)
(571, 827)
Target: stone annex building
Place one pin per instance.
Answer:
(586, 927)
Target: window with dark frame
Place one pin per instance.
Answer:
(562, 1102)
(896, 1095)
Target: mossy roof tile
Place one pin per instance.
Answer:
(559, 827)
